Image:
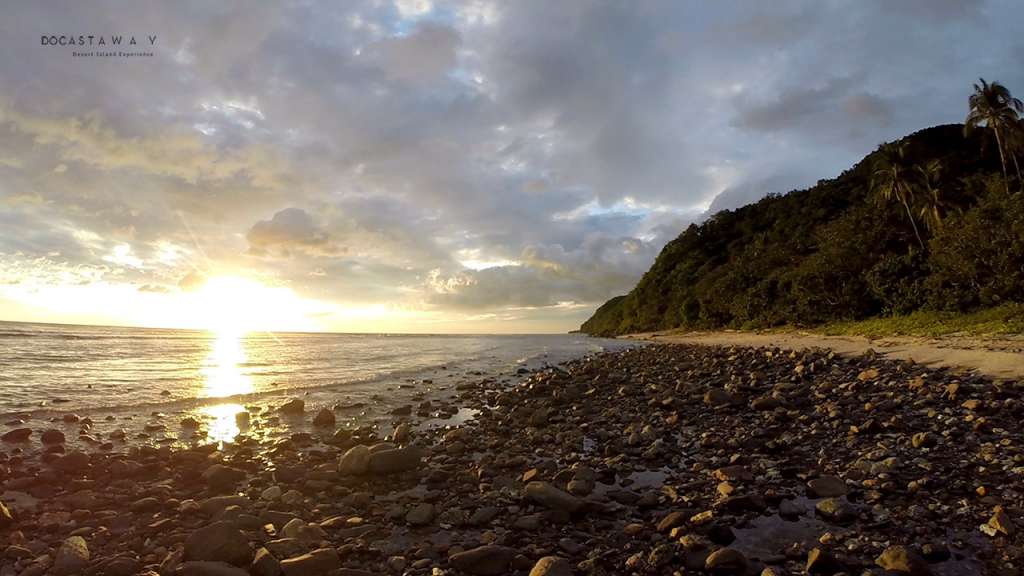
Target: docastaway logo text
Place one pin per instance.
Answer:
(96, 40)
(103, 45)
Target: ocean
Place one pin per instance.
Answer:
(49, 369)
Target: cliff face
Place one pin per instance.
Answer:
(832, 251)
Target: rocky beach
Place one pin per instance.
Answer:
(664, 459)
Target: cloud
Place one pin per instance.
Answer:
(174, 153)
(836, 101)
(288, 232)
(423, 55)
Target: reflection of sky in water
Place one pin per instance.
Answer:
(224, 377)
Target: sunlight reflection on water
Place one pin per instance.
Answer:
(224, 377)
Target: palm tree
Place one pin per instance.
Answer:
(891, 179)
(932, 207)
(992, 105)
(1015, 146)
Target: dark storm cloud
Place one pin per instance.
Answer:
(481, 156)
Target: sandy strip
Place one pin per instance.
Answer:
(1000, 358)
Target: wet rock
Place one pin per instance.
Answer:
(293, 407)
(52, 436)
(394, 460)
(318, 562)
(355, 461)
(219, 542)
(903, 560)
(547, 495)
(324, 418)
(72, 557)
(189, 423)
(826, 487)
(242, 419)
(488, 560)
(17, 435)
(726, 561)
(552, 566)
(402, 433)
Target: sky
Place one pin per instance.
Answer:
(433, 166)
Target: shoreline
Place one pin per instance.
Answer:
(998, 358)
(642, 461)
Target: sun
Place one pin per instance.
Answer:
(232, 305)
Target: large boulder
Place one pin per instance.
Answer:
(324, 418)
(219, 542)
(490, 560)
(394, 460)
(294, 407)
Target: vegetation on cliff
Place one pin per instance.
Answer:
(934, 222)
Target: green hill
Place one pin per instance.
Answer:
(839, 251)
